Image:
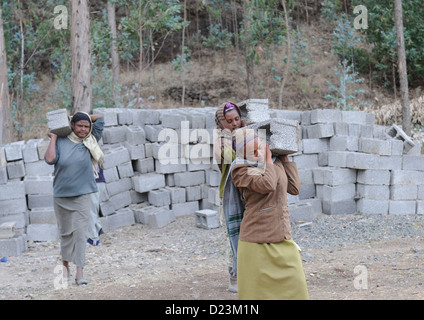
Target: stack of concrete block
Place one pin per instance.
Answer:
(58, 122)
(11, 243)
(159, 165)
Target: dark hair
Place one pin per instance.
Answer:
(80, 116)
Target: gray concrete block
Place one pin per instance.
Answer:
(169, 167)
(161, 217)
(186, 208)
(42, 148)
(420, 207)
(13, 246)
(15, 169)
(115, 156)
(402, 206)
(136, 152)
(109, 114)
(118, 186)
(207, 219)
(43, 232)
(40, 201)
(339, 193)
(391, 162)
(178, 195)
(120, 200)
(213, 178)
(125, 170)
(12, 190)
(152, 132)
(333, 176)
(42, 216)
(187, 179)
(107, 208)
(38, 168)
(286, 114)
(142, 117)
(39, 185)
(135, 135)
(12, 206)
(306, 161)
(359, 117)
(137, 197)
(406, 177)
(413, 163)
(396, 132)
(7, 230)
(371, 206)
(21, 219)
(172, 120)
(30, 151)
(301, 212)
(125, 116)
(337, 158)
(420, 192)
(321, 130)
(347, 206)
(160, 197)
(58, 122)
(122, 217)
(148, 181)
(3, 160)
(114, 134)
(254, 110)
(111, 174)
(315, 145)
(193, 193)
(144, 165)
(373, 177)
(357, 160)
(213, 196)
(403, 192)
(307, 191)
(325, 116)
(374, 192)
(3, 175)
(375, 146)
(344, 143)
(397, 147)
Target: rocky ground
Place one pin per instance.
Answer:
(344, 257)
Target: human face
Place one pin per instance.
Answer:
(255, 150)
(233, 120)
(81, 128)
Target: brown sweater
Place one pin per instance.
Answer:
(266, 216)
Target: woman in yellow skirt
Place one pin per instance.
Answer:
(268, 261)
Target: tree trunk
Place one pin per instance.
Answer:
(286, 70)
(406, 114)
(250, 67)
(80, 57)
(114, 53)
(5, 113)
(182, 56)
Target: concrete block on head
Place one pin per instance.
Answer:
(58, 122)
(254, 110)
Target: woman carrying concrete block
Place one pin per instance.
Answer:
(268, 260)
(75, 159)
(228, 119)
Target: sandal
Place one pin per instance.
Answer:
(81, 281)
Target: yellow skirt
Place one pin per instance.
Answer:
(270, 271)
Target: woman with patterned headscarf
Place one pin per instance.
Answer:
(227, 119)
(75, 159)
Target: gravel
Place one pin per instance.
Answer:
(135, 253)
(341, 230)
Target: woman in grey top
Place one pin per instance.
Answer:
(75, 159)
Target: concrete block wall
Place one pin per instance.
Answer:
(159, 165)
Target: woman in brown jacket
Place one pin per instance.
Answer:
(268, 261)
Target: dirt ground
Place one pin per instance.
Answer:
(183, 262)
